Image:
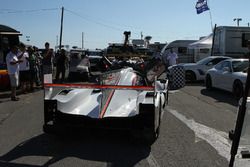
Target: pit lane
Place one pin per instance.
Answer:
(22, 142)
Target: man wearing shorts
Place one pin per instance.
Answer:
(13, 70)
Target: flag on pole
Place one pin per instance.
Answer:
(201, 6)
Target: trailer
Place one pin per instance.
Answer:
(228, 41)
(180, 47)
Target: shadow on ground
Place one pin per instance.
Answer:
(220, 96)
(111, 148)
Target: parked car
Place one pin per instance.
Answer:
(197, 71)
(4, 77)
(79, 65)
(229, 75)
(99, 63)
(123, 100)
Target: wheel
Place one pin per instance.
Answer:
(190, 76)
(159, 122)
(152, 133)
(238, 89)
(208, 82)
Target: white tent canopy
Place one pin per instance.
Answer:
(205, 42)
(202, 48)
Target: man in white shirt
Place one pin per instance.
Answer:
(13, 70)
(172, 58)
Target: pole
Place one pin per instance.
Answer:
(212, 48)
(56, 42)
(82, 40)
(240, 120)
(60, 44)
(211, 21)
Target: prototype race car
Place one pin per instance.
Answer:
(123, 100)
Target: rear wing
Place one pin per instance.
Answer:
(94, 86)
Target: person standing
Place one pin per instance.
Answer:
(61, 65)
(157, 53)
(39, 59)
(47, 59)
(24, 68)
(13, 70)
(33, 68)
(169, 59)
(172, 58)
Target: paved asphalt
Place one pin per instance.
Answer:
(192, 120)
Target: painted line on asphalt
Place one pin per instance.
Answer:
(152, 161)
(217, 139)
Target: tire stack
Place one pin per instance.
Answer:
(177, 77)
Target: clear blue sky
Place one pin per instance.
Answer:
(104, 21)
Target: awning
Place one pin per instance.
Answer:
(205, 42)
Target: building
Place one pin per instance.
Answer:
(8, 37)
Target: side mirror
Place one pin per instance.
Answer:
(162, 81)
(160, 86)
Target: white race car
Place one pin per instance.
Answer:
(123, 100)
(229, 75)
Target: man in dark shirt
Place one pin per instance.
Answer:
(61, 65)
(47, 59)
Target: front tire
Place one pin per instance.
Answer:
(208, 82)
(190, 76)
